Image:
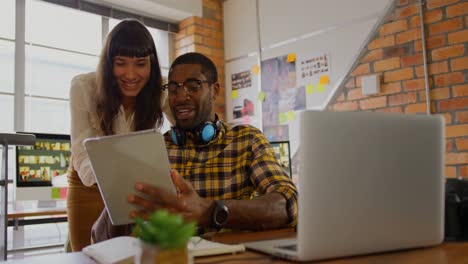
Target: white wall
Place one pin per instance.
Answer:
(240, 28)
(168, 10)
(340, 28)
(281, 20)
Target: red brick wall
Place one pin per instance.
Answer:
(395, 54)
(205, 35)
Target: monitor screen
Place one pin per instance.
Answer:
(282, 152)
(37, 165)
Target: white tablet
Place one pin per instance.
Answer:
(121, 160)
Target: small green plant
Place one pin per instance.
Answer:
(164, 230)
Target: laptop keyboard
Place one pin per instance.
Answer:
(292, 247)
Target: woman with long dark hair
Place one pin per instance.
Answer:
(123, 95)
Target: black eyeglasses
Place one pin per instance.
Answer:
(191, 86)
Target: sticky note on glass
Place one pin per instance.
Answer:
(282, 118)
(246, 119)
(63, 193)
(291, 116)
(256, 69)
(55, 193)
(261, 96)
(320, 88)
(291, 57)
(234, 94)
(324, 79)
(309, 89)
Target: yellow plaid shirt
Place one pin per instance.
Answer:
(239, 162)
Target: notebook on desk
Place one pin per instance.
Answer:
(368, 182)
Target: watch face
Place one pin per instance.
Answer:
(221, 216)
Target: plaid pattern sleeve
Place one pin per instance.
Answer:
(269, 176)
(236, 165)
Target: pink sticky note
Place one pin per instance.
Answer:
(63, 193)
(246, 119)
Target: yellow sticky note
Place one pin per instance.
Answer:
(282, 118)
(234, 94)
(261, 96)
(291, 57)
(324, 79)
(291, 116)
(309, 89)
(256, 69)
(320, 88)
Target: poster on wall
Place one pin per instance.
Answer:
(242, 92)
(313, 73)
(282, 97)
(310, 68)
(242, 96)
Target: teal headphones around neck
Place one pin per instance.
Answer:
(203, 133)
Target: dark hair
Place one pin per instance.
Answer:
(208, 67)
(129, 38)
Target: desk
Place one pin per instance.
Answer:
(68, 258)
(443, 254)
(22, 209)
(42, 215)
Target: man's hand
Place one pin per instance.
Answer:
(186, 202)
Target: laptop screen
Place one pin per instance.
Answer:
(282, 151)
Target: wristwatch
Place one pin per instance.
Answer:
(220, 215)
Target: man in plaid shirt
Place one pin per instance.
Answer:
(226, 176)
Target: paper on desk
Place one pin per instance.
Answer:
(201, 247)
(119, 250)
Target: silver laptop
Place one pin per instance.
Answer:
(368, 182)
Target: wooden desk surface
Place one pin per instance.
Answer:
(446, 253)
(449, 252)
(20, 209)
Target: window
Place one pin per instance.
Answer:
(6, 107)
(47, 115)
(7, 19)
(49, 71)
(60, 43)
(55, 53)
(161, 41)
(53, 57)
(7, 65)
(61, 27)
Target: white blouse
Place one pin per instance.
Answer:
(85, 123)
